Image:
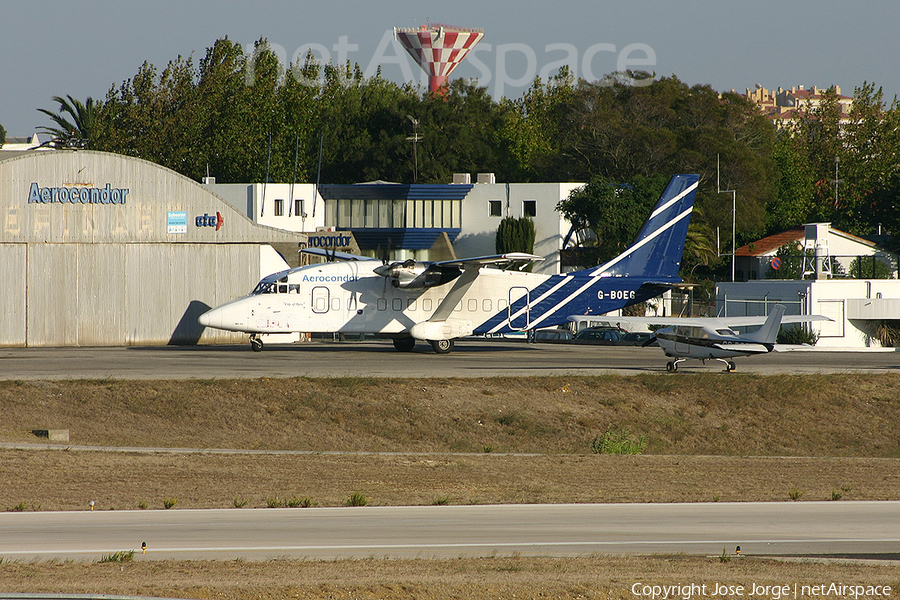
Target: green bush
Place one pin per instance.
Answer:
(357, 499)
(617, 442)
(118, 557)
(799, 334)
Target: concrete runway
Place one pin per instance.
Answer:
(797, 528)
(470, 358)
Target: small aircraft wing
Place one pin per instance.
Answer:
(334, 255)
(729, 322)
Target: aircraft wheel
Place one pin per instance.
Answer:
(442, 346)
(671, 367)
(731, 366)
(405, 344)
(256, 344)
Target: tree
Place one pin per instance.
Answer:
(792, 203)
(515, 235)
(528, 123)
(870, 267)
(618, 132)
(610, 214)
(74, 120)
(2, 136)
(699, 247)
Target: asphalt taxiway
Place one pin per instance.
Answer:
(377, 358)
(783, 529)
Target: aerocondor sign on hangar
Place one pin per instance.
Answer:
(103, 249)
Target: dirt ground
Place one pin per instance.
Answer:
(456, 441)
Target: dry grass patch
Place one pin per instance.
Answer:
(833, 415)
(464, 578)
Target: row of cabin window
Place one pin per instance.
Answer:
(471, 304)
(529, 208)
(321, 304)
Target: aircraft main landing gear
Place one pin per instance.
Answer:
(672, 365)
(256, 343)
(404, 344)
(441, 346)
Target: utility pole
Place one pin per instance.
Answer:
(733, 215)
(414, 138)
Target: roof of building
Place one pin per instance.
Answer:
(770, 244)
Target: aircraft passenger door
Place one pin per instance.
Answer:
(321, 299)
(519, 315)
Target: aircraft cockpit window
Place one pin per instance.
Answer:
(726, 332)
(282, 288)
(265, 287)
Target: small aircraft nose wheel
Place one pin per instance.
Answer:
(671, 367)
(442, 346)
(256, 344)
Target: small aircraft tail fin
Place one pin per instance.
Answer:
(657, 250)
(769, 331)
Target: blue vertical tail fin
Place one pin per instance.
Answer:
(657, 250)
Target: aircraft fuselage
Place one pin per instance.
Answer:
(349, 297)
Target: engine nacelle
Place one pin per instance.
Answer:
(441, 330)
(411, 274)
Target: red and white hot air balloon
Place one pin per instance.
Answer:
(438, 48)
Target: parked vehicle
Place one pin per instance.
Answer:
(604, 336)
(553, 336)
(638, 338)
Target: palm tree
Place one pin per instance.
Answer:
(81, 125)
(699, 246)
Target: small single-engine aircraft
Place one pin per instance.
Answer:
(439, 302)
(705, 338)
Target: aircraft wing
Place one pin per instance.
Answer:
(469, 269)
(324, 252)
(507, 260)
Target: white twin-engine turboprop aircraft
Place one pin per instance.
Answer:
(441, 301)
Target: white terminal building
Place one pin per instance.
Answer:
(427, 222)
(102, 249)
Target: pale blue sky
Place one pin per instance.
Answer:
(82, 47)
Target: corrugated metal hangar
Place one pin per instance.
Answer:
(101, 249)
